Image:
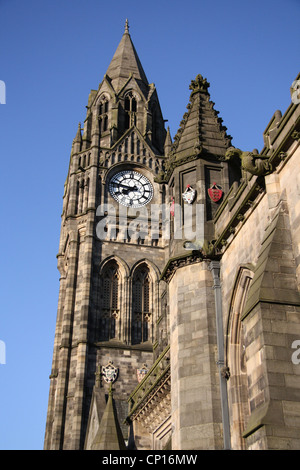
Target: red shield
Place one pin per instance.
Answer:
(172, 207)
(215, 192)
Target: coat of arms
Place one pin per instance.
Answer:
(189, 194)
(215, 192)
(141, 372)
(110, 373)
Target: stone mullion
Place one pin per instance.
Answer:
(129, 311)
(155, 313)
(65, 344)
(126, 309)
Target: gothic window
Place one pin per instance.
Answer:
(236, 348)
(110, 312)
(130, 110)
(103, 115)
(141, 309)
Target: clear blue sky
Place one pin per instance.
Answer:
(53, 52)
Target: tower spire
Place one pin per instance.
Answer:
(125, 62)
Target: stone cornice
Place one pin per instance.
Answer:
(157, 381)
(190, 257)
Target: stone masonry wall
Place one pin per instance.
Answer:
(196, 413)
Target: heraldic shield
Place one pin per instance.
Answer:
(140, 373)
(110, 373)
(189, 194)
(215, 192)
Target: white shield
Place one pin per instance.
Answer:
(189, 194)
(110, 373)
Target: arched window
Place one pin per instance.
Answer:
(235, 352)
(103, 116)
(130, 106)
(141, 305)
(110, 309)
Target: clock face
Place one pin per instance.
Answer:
(130, 188)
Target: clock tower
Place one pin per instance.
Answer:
(110, 291)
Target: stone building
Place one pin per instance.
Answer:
(179, 310)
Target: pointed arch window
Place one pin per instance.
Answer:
(239, 402)
(103, 115)
(130, 110)
(110, 302)
(141, 305)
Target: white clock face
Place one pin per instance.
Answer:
(130, 188)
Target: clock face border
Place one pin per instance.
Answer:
(141, 182)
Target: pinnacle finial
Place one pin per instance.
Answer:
(126, 26)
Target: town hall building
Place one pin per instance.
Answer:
(178, 322)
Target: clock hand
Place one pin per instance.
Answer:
(125, 186)
(127, 190)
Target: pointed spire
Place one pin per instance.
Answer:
(77, 142)
(168, 142)
(109, 435)
(78, 137)
(125, 63)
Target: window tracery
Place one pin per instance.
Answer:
(141, 305)
(103, 114)
(110, 302)
(130, 106)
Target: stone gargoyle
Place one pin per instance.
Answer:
(252, 162)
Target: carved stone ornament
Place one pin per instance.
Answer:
(140, 373)
(189, 194)
(215, 192)
(254, 163)
(110, 373)
(199, 84)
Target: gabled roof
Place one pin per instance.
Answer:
(125, 62)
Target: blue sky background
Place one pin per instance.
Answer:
(52, 53)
